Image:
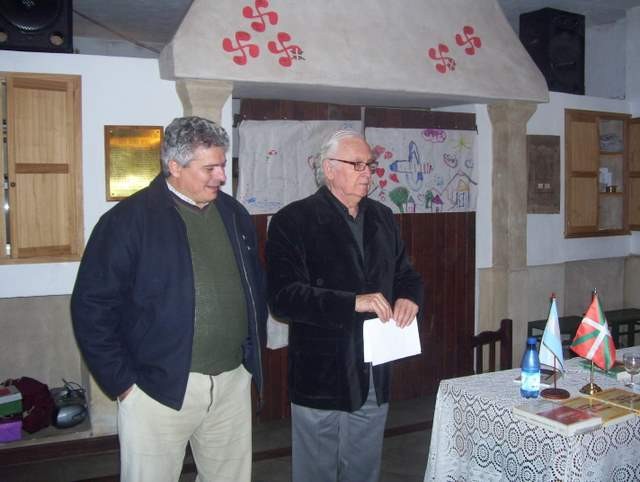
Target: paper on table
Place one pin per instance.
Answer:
(384, 342)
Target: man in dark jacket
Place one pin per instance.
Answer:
(335, 259)
(167, 309)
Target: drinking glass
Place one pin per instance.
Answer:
(632, 365)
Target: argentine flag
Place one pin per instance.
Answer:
(551, 344)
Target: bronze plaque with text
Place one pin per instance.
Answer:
(132, 156)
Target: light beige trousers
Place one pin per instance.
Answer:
(215, 419)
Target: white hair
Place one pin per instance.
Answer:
(329, 148)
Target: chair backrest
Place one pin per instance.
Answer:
(490, 339)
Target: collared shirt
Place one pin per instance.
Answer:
(356, 225)
(185, 198)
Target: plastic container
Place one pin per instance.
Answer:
(10, 430)
(530, 371)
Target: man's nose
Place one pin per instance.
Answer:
(219, 174)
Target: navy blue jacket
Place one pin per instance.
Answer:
(133, 302)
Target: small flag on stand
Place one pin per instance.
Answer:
(593, 340)
(551, 345)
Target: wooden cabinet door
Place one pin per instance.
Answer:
(582, 144)
(44, 153)
(582, 158)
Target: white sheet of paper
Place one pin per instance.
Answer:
(277, 334)
(384, 342)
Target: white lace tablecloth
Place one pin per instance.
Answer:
(476, 438)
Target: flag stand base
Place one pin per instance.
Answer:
(555, 393)
(590, 389)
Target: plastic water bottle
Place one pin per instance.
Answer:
(530, 371)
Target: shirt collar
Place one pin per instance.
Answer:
(344, 209)
(185, 198)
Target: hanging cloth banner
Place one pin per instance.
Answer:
(424, 170)
(276, 161)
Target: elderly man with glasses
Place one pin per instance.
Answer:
(335, 259)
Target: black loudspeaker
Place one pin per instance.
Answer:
(555, 42)
(37, 25)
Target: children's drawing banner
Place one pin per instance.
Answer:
(420, 170)
(276, 160)
(424, 170)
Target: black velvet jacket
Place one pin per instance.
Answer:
(315, 271)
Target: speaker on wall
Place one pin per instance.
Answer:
(555, 42)
(36, 25)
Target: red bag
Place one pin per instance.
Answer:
(37, 403)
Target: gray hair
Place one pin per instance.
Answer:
(329, 148)
(184, 135)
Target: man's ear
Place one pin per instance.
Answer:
(174, 168)
(327, 169)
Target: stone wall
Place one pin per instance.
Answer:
(38, 341)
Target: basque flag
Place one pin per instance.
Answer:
(593, 340)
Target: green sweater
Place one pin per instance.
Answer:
(220, 311)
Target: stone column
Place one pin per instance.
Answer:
(503, 290)
(632, 281)
(203, 98)
(102, 410)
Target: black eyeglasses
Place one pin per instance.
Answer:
(358, 165)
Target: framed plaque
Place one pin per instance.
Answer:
(132, 156)
(543, 165)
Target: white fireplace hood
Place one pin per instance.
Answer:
(416, 53)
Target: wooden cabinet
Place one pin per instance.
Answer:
(43, 173)
(597, 182)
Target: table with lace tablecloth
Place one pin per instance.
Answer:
(475, 437)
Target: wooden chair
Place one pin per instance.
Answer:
(491, 338)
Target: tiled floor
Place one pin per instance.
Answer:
(404, 455)
(404, 459)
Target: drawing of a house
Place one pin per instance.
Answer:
(436, 204)
(462, 194)
(458, 191)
